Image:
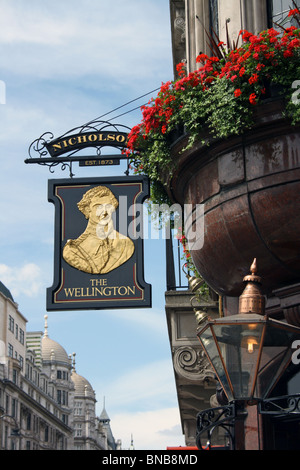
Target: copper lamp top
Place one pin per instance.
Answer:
(252, 300)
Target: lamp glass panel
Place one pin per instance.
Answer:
(240, 346)
(211, 350)
(276, 356)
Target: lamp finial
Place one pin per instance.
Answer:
(252, 300)
(253, 268)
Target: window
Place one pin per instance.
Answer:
(278, 11)
(62, 374)
(78, 430)
(65, 398)
(65, 419)
(22, 335)
(14, 408)
(214, 16)
(15, 376)
(11, 324)
(10, 350)
(28, 422)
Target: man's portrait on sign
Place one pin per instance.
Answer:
(100, 249)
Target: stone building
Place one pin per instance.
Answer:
(44, 403)
(192, 21)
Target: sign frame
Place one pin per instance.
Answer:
(123, 286)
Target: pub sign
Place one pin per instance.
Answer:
(98, 252)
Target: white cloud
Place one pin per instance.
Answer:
(152, 319)
(151, 385)
(25, 280)
(18, 24)
(151, 430)
(63, 39)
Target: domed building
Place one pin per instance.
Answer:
(42, 398)
(76, 396)
(57, 365)
(90, 433)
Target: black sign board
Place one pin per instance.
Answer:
(99, 257)
(86, 139)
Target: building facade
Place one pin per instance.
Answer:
(44, 403)
(192, 21)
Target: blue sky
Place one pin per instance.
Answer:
(65, 63)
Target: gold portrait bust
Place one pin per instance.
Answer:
(100, 249)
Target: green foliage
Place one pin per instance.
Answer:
(216, 100)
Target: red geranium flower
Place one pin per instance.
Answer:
(294, 12)
(252, 99)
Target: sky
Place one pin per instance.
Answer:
(64, 63)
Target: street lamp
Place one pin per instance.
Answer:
(249, 351)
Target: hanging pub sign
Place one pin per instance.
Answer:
(98, 253)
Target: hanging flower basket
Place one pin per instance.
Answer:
(250, 188)
(238, 155)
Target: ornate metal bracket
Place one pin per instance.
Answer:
(95, 135)
(215, 418)
(286, 405)
(224, 417)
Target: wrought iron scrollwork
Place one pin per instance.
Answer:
(38, 153)
(280, 406)
(39, 149)
(208, 421)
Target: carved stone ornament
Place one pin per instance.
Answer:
(179, 24)
(192, 364)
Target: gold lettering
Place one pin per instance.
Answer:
(131, 290)
(101, 138)
(99, 291)
(69, 292)
(56, 146)
(71, 141)
(92, 137)
(81, 139)
(124, 291)
(85, 292)
(105, 291)
(102, 290)
(98, 282)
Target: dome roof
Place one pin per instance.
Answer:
(51, 349)
(82, 386)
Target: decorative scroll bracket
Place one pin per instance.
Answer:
(68, 148)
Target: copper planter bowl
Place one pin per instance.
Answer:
(250, 188)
